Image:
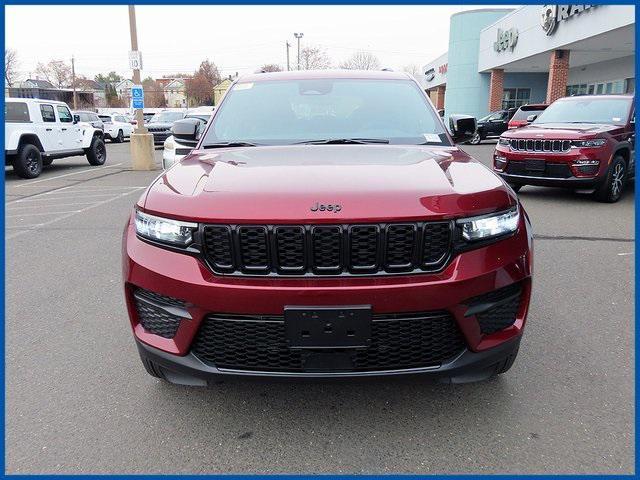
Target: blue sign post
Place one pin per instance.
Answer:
(137, 97)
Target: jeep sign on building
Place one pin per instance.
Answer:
(501, 58)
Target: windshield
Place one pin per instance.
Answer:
(166, 117)
(284, 112)
(612, 111)
(105, 118)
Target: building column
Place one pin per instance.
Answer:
(440, 91)
(558, 75)
(496, 87)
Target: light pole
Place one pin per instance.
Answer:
(288, 45)
(298, 36)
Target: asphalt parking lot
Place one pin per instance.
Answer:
(79, 401)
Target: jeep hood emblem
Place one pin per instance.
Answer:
(326, 207)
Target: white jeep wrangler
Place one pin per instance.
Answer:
(38, 131)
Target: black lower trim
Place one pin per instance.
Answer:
(467, 366)
(571, 182)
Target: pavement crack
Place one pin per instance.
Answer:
(588, 239)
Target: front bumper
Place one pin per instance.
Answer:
(574, 179)
(469, 274)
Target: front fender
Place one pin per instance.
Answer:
(88, 134)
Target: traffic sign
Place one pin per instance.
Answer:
(137, 97)
(135, 60)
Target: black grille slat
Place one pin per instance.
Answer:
(363, 247)
(217, 244)
(327, 249)
(326, 244)
(436, 243)
(257, 343)
(290, 249)
(154, 319)
(400, 246)
(503, 314)
(254, 249)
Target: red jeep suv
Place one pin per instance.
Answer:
(585, 142)
(326, 225)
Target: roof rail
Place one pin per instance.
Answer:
(386, 69)
(260, 70)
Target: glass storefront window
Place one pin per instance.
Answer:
(515, 97)
(602, 88)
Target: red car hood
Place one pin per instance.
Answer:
(561, 131)
(369, 182)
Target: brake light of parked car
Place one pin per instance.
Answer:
(513, 124)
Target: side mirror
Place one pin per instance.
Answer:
(187, 131)
(76, 118)
(531, 118)
(462, 127)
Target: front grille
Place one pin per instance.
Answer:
(551, 170)
(257, 343)
(327, 250)
(537, 145)
(505, 301)
(153, 317)
(158, 129)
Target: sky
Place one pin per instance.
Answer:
(175, 39)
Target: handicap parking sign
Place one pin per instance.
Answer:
(137, 97)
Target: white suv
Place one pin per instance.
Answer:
(116, 127)
(38, 131)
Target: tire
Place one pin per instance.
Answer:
(120, 137)
(28, 162)
(152, 369)
(476, 139)
(47, 161)
(97, 152)
(610, 191)
(516, 187)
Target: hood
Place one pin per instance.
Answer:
(561, 131)
(284, 184)
(160, 125)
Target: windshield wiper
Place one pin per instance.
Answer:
(342, 141)
(229, 144)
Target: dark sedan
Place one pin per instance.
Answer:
(493, 125)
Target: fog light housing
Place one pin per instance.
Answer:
(499, 162)
(585, 167)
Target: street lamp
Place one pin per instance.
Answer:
(298, 36)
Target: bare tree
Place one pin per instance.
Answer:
(314, 58)
(361, 61)
(56, 72)
(199, 89)
(210, 71)
(154, 93)
(412, 69)
(10, 67)
(271, 67)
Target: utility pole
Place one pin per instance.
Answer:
(298, 36)
(73, 80)
(141, 143)
(288, 45)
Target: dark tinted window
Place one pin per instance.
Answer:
(64, 114)
(16, 112)
(524, 112)
(289, 111)
(105, 118)
(47, 113)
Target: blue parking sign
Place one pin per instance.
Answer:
(137, 97)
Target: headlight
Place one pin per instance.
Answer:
(165, 230)
(598, 142)
(504, 141)
(487, 226)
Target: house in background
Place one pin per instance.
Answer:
(175, 92)
(123, 89)
(97, 90)
(220, 89)
(36, 83)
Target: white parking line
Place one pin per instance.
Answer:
(22, 215)
(12, 208)
(65, 216)
(73, 195)
(26, 184)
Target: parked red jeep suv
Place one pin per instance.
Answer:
(326, 225)
(585, 142)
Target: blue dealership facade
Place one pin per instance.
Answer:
(502, 58)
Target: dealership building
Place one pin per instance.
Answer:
(500, 58)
